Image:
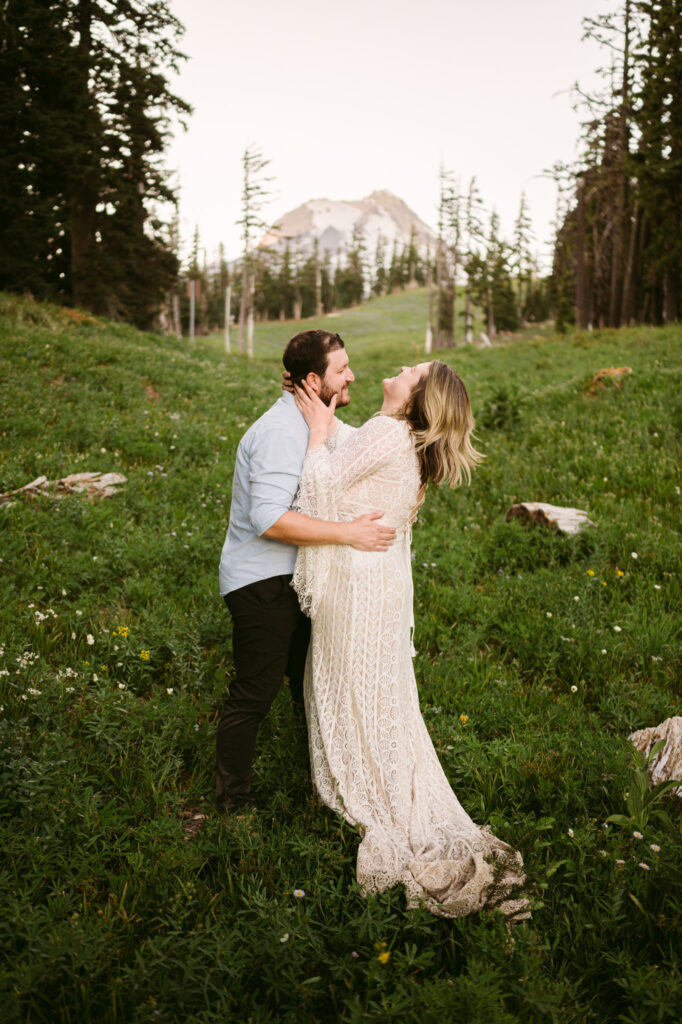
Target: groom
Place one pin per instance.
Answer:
(270, 633)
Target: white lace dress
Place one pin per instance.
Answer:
(371, 755)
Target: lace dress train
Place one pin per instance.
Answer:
(371, 755)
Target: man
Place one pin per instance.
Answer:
(270, 633)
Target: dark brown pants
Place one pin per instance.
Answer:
(269, 640)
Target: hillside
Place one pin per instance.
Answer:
(127, 898)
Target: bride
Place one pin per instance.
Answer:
(371, 755)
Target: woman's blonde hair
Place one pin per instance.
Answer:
(439, 414)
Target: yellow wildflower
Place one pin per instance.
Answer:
(464, 719)
(384, 957)
(619, 572)
(590, 572)
(122, 631)
(144, 655)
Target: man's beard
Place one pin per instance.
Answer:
(343, 397)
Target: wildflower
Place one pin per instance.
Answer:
(299, 894)
(574, 689)
(73, 636)
(657, 586)
(285, 937)
(355, 955)
(90, 639)
(605, 825)
(617, 629)
(655, 847)
(95, 677)
(571, 832)
(590, 572)
(643, 866)
(634, 554)
(603, 583)
(78, 613)
(576, 598)
(144, 655)
(121, 686)
(464, 719)
(384, 957)
(603, 650)
(619, 862)
(169, 690)
(603, 853)
(548, 614)
(637, 835)
(619, 572)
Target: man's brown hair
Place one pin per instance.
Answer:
(308, 352)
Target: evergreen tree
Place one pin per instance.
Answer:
(472, 236)
(84, 118)
(255, 193)
(380, 280)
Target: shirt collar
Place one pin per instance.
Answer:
(290, 402)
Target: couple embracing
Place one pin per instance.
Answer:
(316, 573)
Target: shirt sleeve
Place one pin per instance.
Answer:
(274, 471)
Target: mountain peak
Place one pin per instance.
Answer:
(331, 222)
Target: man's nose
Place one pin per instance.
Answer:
(350, 376)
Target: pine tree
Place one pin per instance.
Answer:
(255, 194)
(473, 234)
(522, 259)
(84, 118)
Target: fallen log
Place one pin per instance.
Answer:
(555, 517)
(95, 485)
(667, 764)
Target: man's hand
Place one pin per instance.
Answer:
(367, 534)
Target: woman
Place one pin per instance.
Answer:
(371, 755)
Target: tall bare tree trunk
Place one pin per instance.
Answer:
(619, 224)
(468, 317)
(318, 282)
(252, 296)
(627, 309)
(581, 299)
(243, 304)
(228, 318)
(176, 315)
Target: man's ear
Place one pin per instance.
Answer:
(314, 382)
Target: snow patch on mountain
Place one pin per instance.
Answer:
(380, 215)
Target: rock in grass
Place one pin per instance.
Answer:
(565, 520)
(667, 764)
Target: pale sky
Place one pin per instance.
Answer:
(351, 96)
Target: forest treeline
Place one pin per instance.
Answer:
(86, 204)
(618, 252)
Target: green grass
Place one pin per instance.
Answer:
(111, 910)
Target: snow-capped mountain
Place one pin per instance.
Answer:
(332, 221)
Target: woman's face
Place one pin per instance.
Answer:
(399, 388)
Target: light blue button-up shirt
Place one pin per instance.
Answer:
(266, 473)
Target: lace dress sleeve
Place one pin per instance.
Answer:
(326, 475)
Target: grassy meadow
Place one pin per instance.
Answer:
(126, 898)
